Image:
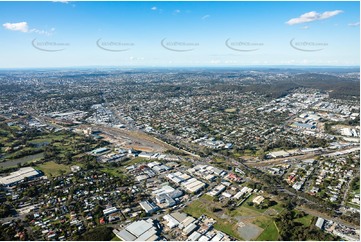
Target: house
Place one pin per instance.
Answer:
(75, 168)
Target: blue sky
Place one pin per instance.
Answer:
(55, 34)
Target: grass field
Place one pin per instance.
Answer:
(244, 213)
(276, 207)
(136, 161)
(203, 206)
(53, 169)
(270, 233)
(306, 220)
(117, 172)
(115, 238)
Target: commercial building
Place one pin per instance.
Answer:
(148, 207)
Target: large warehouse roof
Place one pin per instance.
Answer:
(17, 176)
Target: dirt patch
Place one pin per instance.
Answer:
(270, 212)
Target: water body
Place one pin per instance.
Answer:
(22, 160)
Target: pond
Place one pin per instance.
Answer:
(22, 160)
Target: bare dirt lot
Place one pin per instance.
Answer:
(133, 139)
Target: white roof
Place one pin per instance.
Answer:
(125, 235)
(218, 237)
(190, 228)
(110, 210)
(139, 227)
(203, 238)
(164, 190)
(172, 222)
(188, 221)
(146, 235)
(258, 199)
(320, 222)
(196, 188)
(226, 194)
(19, 175)
(194, 236)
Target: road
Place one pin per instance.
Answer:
(325, 216)
(282, 160)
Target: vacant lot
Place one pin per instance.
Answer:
(243, 223)
(52, 169)
(205, 205)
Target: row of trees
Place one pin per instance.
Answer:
(290, 230)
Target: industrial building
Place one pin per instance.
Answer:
(148, 207)
(142, 230)
(166, 196)
(217, 190)
(19, 176)
(193, 185)
(99, 151)
(320, 222)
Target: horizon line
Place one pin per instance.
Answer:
(177, 67)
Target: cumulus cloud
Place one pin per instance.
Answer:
(24, 27)
(313, 16)
(354, 24)
(21, 26)
(153, 8)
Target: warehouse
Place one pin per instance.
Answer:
(19, 176)
(148, 207)
(193, 185)
(143, 230)
(320, 222)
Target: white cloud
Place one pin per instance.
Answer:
(153, 8)
(43, 32)
(354, 24)
(24, 27)
(21, 26)
(205, 16)
(305, 27)
(313, 16)
(61, 1)
(177, 11)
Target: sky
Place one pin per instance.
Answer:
(171, 34)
